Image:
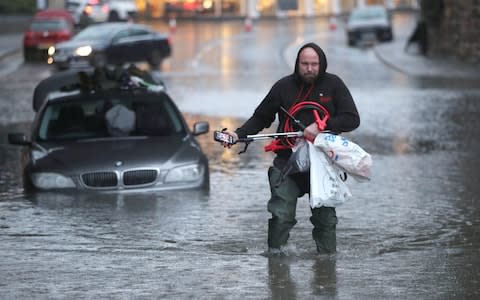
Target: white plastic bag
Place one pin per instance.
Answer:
(346, 154)
(120, 120)
(326, 186)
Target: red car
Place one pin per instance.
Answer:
(48, 27)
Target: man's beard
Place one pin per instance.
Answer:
(309, 78)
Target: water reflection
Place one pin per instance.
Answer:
(324, 280)
(129, 203)
(284, 282)
(281, 283)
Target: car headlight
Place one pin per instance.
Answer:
(83, 51)
(52, 181)
(185, 173)
(51, 50)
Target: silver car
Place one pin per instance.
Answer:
(97, 11)
(118, 139)
(369, 24)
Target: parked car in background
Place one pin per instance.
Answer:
(369, 24)
(47, 28)
(112, 43)
(54, 13)
(124, 135)
(86, 12)
(122, 10)
(181, 8)
(185, 8)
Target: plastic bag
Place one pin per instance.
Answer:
(346, 154)
(120, 120)
(298, 162)
(326, 186)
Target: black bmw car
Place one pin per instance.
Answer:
(111, 44)
(130, 137)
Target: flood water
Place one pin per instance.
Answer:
(412, 232)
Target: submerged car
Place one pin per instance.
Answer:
(114, 43)
(127, 137)
(369, 24)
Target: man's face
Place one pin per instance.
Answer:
(308, 65)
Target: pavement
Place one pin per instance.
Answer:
(10, 43)
(391, 54)
(11, 33)
(414, 64)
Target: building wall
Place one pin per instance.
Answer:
(457, 31)
(56, 3)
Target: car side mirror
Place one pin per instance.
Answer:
(200, 128)
(18, 139)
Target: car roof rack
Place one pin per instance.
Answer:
(93, 80)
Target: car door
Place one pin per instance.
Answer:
(140, 44)
(119, 49)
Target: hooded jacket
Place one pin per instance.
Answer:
(328, 90)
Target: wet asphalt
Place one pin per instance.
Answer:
(409, 233)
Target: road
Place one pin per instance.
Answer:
(409, 233)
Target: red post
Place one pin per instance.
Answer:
(248, 24)
(172, 24)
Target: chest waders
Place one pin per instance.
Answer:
(282, 205)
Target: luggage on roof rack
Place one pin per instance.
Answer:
(95, 79)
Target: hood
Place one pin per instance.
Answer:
(321, 55)
(103, 155)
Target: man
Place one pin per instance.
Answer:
(309, 82)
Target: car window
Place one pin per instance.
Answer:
(43, 25)
(72, 6)
(95, 33)
(139, 31)
(368, 13)
(121, 34)
(132, 35)
(103, 118)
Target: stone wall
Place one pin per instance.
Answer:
(456, 32)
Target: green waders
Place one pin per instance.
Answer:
(283, 205)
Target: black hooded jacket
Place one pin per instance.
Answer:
(328, 90)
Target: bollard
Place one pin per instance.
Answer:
(172, 25)
(248, 24)
(332, 24)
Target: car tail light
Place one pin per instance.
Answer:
(88, 10)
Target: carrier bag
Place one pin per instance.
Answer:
(326, 185)
(346, 154)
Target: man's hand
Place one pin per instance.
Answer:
(311, 132)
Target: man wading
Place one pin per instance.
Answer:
(309, 83)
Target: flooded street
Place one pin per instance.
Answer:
(412, 232)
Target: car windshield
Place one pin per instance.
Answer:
(96, 33)
(43, 25)
(119, 115)
(71, 6)
(368, 13)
